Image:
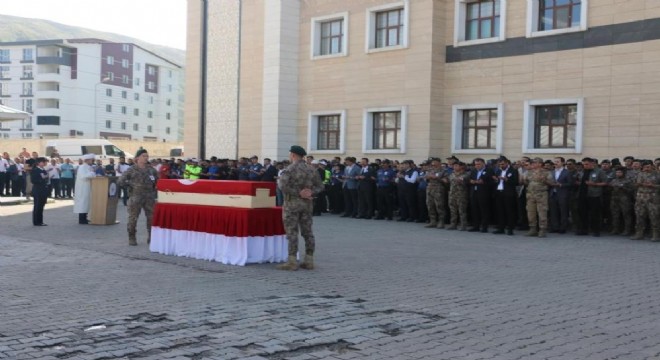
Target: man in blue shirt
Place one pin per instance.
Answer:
(385, 190)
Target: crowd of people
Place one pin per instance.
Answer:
(538, 196)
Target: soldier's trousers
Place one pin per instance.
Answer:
(621, 208)
(298, 217)
(136, 203)
(435, 203)
(458, 206)
(647, 206)
(537, 204)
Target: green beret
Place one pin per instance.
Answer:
(298, 150)
(140, 152)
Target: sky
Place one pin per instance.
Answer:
(165, 26)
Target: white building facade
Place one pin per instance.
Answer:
(90, 88)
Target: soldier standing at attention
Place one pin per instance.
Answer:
(537, 180)
(298, 183)
(648, 201)
(458, 196)
(621, 202)
(436, 194)
(140, 179)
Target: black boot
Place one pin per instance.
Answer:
(82, 219)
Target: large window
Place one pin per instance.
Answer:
(27, 72)
(27, 105)
(553, 126)
(4, 72)
(549, 17)
(27, 89)
(328, 132)
(483, 20)
(4, 89)
(387, 26)
(48, 120)
(386, 130)
(479, 129)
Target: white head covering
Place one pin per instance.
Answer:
(88, 157)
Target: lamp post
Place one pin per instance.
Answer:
(96, 105)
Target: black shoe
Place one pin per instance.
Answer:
(561, 231)
(473, 230)
(379, 218)
(596, 234)
(345, 215)
(509, 232)
(581, 233)
(497, 232)
(390, 219)
(484, 230)
(42, 224)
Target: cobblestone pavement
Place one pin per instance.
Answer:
(381, 290)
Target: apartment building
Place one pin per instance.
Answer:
(417, 78)
(90, 88)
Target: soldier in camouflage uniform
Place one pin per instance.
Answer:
(436, 191)
(648, 201)
(537, 180)
(458, 196)
(140, 179)
(298, 183)
(621, 202)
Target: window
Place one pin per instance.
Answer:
(111, 76)
(168, 102)
(151, 85)
(326, 132)
(329, 35)
(151, 70)
(150, 114)
(550, 17)
(151, 99)
(125, 47)
(125, 79)
(124, 63)
(553, 126)
(137, 81)
(108, 92)
(48, 120)
(136, 96)
(136, 127)
(4, 89)
(28, 55)
(170, 72)
(108, 108)
(149, 128)
(27, 105)
(27, 72)
(384, 130)
(169, 87)
(477, 128)
(4, 72)
(108, 124)
(167, 130)
(27, 89)
(110, 60)
(123, 125)
(168, 116)
(137, 66)
(5, 56)
(478, 22)
(123, 110)
(124, 94)
(136, 112)
(387, 27)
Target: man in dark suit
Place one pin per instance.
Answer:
(39, 178)
(481, 180)
(560, 193)
(366, 190)
(350, 187)
(269, 171)
(506, 196)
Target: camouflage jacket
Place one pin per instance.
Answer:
(458, 183)
(621, 188)
(296, 177)
(140, 181)
(538, 180)
(648, 177)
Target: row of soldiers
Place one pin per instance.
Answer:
(532, 194)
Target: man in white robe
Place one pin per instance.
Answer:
(84, 188)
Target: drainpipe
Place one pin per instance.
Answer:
(203, 63)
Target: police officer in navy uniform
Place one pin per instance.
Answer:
(39, 178)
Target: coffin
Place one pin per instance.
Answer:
(226, 193)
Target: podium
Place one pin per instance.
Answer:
(104, 198)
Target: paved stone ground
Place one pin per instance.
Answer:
(382, 290)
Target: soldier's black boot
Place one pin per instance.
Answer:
(131, 239)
